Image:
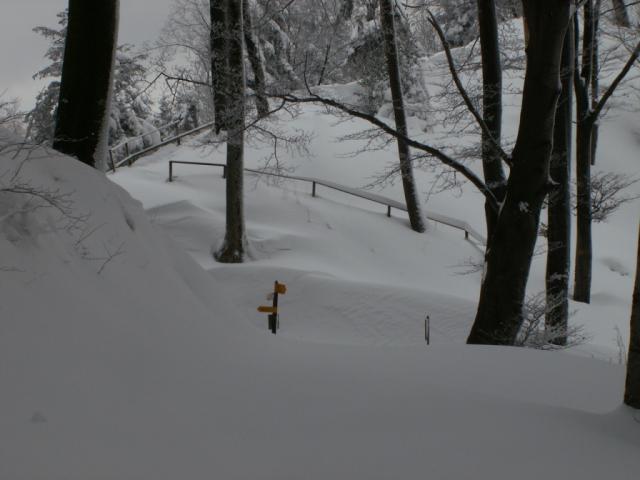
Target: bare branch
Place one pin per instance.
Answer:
(434, 152)
(612, 88)
(467, 101)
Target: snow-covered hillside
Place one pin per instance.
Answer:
(128, 353)
(146, 367)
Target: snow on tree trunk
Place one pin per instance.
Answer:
(508, 260)
(233, 248)
(82, 122)
(632, 386)
(559, 210)
(219, 60)
(404, 154)
(255, 59)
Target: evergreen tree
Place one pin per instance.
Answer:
(131, 109)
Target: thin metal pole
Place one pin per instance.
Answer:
(427, 330)
(113, 165)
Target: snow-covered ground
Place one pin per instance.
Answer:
(127, 352)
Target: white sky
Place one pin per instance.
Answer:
(22, 50)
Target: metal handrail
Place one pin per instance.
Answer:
(130, 159)
(159, 129)
(469, 232)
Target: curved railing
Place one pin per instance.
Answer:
(469, 232)
(130, 158)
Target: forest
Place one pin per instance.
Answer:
(501, 137)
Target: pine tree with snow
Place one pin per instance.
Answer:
(131, 108)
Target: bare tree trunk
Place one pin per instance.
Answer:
(253, 52)
(219, 60)
(233, 248)
(621, 14)
(632, 386)
(404, 154)
(494, 175)
(594, 81)
(559, 210)
(584, 135)
(82, 123)
(499, 316)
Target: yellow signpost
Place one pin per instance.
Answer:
(274, 318)
(267, 309)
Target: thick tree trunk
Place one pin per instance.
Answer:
(559, 210)
(499, 316)
(494, 175)
(82, 122)
(584, 137)
(233, 248)
(620, 13)
(219, 60)
(253, 52)
(404, 154)
(632, 387)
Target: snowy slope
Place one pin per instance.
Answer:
(149, 368)
(126, 352)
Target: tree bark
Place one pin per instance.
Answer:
(632, 385)
(233, 248)
(253, 52)
(82, 122)
(499, 315)
(584, 136)
(559, 209)
(620, 13)
(594, 81)
(494, 175)
(387, 23)
(219, 60)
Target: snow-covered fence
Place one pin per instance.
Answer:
(131, 157)
(145, 140)
(469, 232)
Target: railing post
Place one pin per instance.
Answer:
(113, 165)
(126, 148)
(313, 189)
(388, 210)
(170, 171)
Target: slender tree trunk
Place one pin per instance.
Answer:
(82, 123)
(219, 37)
(499, 316)
(559, 210)
(621, 14)
(594, 81)
(494, 175)
(253, 52)
(391, 52)
(632, 387)
(233, 248)
(584, 136)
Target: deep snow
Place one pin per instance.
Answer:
(126, 352)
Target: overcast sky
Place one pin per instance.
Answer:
(22, 50)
